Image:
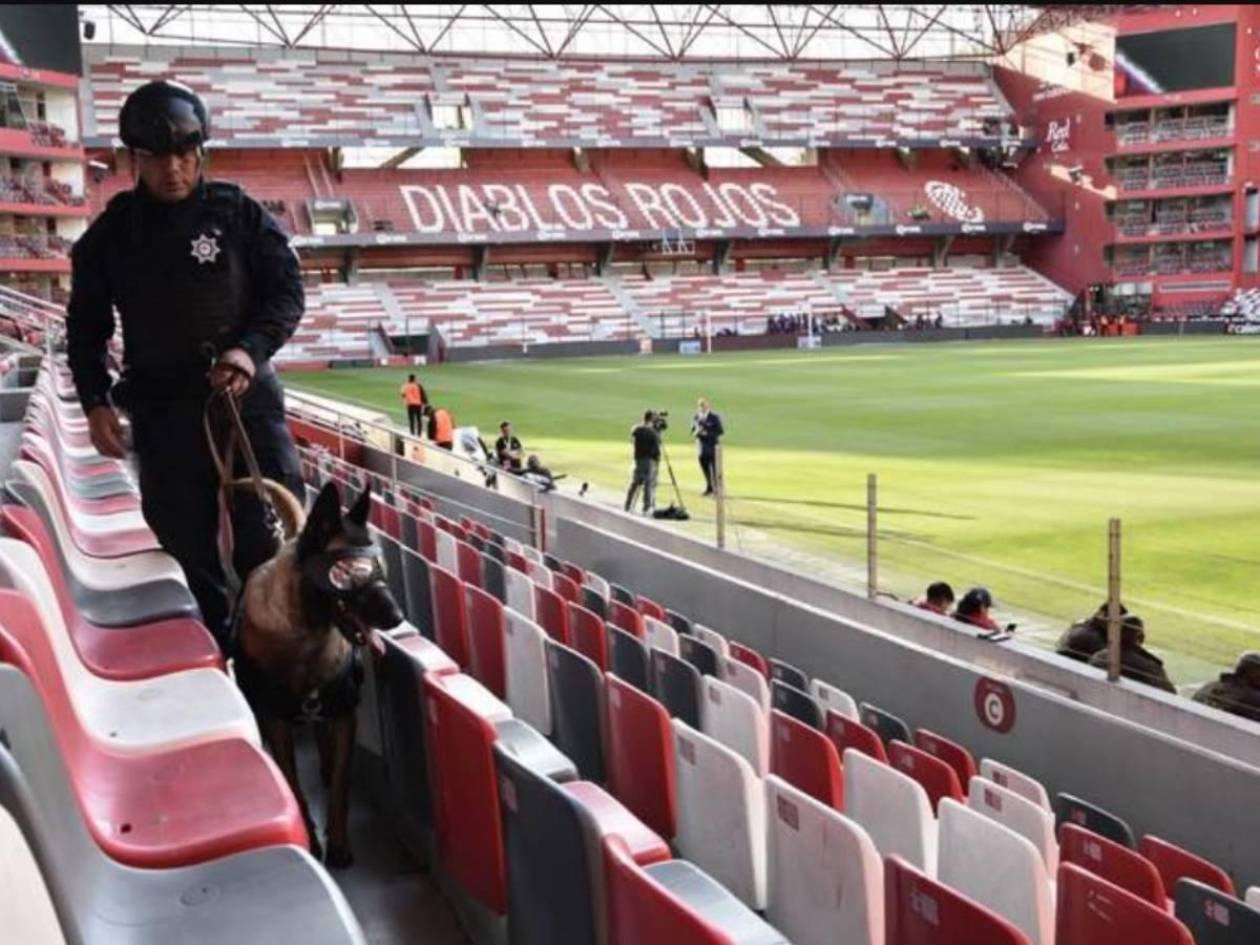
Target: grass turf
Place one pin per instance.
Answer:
(998, 463)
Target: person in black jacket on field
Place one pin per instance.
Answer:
(706, 427)
(207, 289)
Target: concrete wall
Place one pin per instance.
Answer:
(1185, 794)
(555, 349)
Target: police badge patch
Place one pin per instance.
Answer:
(205, 249)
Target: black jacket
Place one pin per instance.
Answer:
(1140, 665)
(647, 442)
(1231, 693)
(707, 430)
(213, 270)
(1082, 640)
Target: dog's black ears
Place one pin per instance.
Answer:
(323, 522)
(359, 514)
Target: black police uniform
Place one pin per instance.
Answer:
(211, 271)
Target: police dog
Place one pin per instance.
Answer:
(304, 616)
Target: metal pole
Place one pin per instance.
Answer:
(719, 487)
(872, 539)
(1113, 599)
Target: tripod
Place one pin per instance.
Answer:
(675, 510)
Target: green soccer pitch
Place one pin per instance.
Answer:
(998, 464)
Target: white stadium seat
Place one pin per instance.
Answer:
(26, 911)
(893, 808)
(736, 720)
(748, 680)
(520, 592)
(836, 700)
(525, 660)
(713, 638)
(447, 551)
(1017, 781)
(1019, 814)
(660, 635)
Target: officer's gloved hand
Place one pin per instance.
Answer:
(105, 429)
(233, 372)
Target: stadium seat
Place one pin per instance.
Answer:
(749, 657)
(660, 635)
(1018, 814)
(1073, 810)
(681, 624)
(392, 562)
(526, 670)
(640, 755)
(426, 543)
(649, 608)
(937, 778)
(577, 709)
(887, 726)
(825, 877)
(277, 888)
(846, 734)
(1114, 862)
(628, 658)
(626, 618)
(1174, 864)
(486, 640)
(493, 577)
(419, 592)
(495, 551)
(598, 585)
(921, 911)
(1016, 781)
(400, 670)
(587, 635)
(567, 588)
(468, 559)
(551, 561)
(748, 680)
(676, 685)
(996, 867)
(595, 602)
(735, 720)
(540, 574)
(620, 595)
(574, 573)
(1253, 897)
(831, 699)
(951, 753)
(1092, 911)
(699, 654)
(552, 614)
(789, 674)
(721, 814)
(155, 809)
(136, 716)
(520, 592)
(447, 551)
(116, 652)
(26, 911)
(1214, 918)
(806, 759)
(450, 619)
(715, 640)
(674, 902)
(892, 808)
(798, 704)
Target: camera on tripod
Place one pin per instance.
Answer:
(660, 420)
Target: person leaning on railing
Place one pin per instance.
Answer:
(1237, 692)
(1136, 662)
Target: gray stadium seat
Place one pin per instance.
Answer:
(796, 703)
(276, 894)
(676, 685)
(493, 578)
(394, 575)
(621, 595)
(628, 658)
(495, 550)
(576, 686)
(680, 623)
(1214, 917)
(700, 655)
(593, 601)
(887, 726)
(1076, 811)
(419, 592)
(787, 673)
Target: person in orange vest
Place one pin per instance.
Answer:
(414, 397)
(441, 426)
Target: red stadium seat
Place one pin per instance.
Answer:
(1113, 861)
(551, 613)
(640, 756)
(450, 621)
(566, 587)
(806, 759)
(158, 809)
(953, 754)
(920, 911)
(845, 733)
(626, 618)
(587, 635)
(937, 778)
(486, 645)
(1174, 863)
(426, 542)
(1092, 911)
(649, 608)
(517, 560)
(573, 572)
(460, 720)
(149, 649)
(750, 657)
(469, 559)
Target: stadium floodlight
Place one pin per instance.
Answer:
(553, 31)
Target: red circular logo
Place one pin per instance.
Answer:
(995, 705)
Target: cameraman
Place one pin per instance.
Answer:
(647, 455)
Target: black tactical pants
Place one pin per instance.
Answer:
(179, 487)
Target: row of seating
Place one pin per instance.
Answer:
(260, 96)
(725, 753)
(137, 803)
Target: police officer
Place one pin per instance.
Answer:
(207, 289)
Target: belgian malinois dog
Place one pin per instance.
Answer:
(304, 616)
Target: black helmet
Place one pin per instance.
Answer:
(975, 600)
(163, 117)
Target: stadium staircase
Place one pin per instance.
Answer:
(633, 309)
(841, 296)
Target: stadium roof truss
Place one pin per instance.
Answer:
(673, 32)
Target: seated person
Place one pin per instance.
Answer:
(974, 609)
(1136, 662)
(1237, 692)
(507, 449)
(539, 474)
(938, 599)
(1086, 637)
